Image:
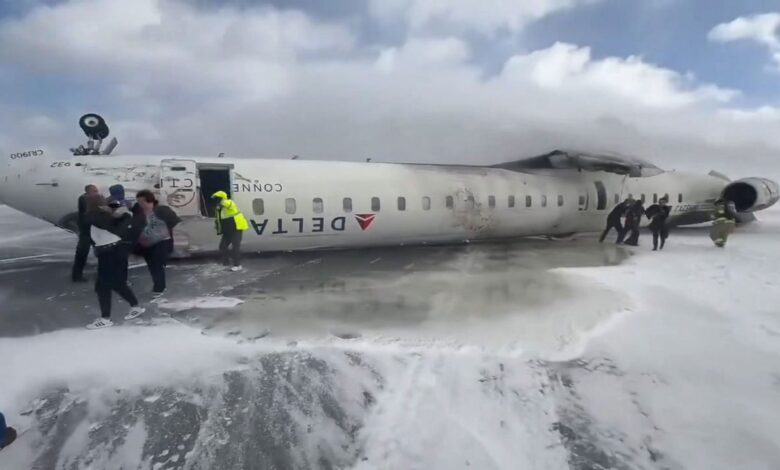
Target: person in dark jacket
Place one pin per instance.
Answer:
(112, 233)
(613, 221)
(84, 243)
(156, 238)
(7, 433)
(658, 213)
(117, 195)
(633, 220)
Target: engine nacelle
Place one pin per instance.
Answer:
(752, 194)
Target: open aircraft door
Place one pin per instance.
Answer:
(179, 186)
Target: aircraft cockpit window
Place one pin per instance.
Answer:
(560, 200)
(544, 201)
(347, 204)
(318, 205)
(401, 203)
(511, 201)
(289, 205)
(258, 207)
(492, 202)
(375, 204)
(528, 201)
(450, 203)
(470, 202)
(426, 203)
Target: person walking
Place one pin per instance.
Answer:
(658, 214)
(84, 243)
(110, 232)
(633, 220)
(156, 237)
(724, 220)
(231, 224)
(613, 221)
(7, 433)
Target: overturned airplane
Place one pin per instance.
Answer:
(306, 205)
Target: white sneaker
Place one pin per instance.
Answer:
(236, 268)
(135, 312)
(100, 323)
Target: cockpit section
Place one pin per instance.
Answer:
(582, 161)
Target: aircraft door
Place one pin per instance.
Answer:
(601, 196)
(179, 186)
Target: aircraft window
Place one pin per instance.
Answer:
(666, 196)
(582, 200)
(470, 202)
(679, 198)
(630, 196)
(401, 203)
(655, 198)
(617, 198)
(528, 201)
(347, 204)
(289, 205)
(449, 202)
(375, 206)
(560, 200)
(258, 207)
(492, 201)
(642, 197)
(511, 201)
(544, 201)
(318, 206)
(426, 203)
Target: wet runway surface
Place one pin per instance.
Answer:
(430, 357)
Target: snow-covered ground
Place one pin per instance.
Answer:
(667, 360)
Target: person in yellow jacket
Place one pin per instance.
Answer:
(231, 224)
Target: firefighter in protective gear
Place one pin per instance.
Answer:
(231, 224)
(724, 220)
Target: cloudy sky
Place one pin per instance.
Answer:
(687, 83)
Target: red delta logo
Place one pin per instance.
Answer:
(365, 220)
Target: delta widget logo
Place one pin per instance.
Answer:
(365, 220)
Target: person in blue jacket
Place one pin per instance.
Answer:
(7, 433)
(117, 195)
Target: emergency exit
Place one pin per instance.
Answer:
(179, 186)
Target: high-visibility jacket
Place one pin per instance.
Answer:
(228, 215)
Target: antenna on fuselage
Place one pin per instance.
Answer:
(96, 129)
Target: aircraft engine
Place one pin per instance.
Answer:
(94, 126)
(752, 194)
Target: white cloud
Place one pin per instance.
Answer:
(763, 29)
(571, 68)
(484, 16)
(273, 83)
(424, 53)
(770, 114)
(167, 44)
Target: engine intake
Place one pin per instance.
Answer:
(752, 194)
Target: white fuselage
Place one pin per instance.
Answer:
(298, 204)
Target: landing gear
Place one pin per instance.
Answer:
(96, 129)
